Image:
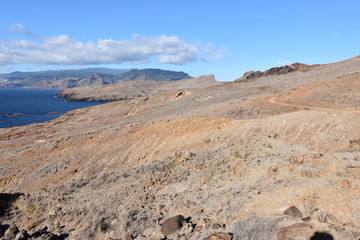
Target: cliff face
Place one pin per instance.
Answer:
(272, 159)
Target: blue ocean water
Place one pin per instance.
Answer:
(22, 106)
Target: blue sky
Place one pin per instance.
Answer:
(225, 38)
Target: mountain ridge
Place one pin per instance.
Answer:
(134, 89)
(60, 79)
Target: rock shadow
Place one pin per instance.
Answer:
(45, 234)
(322, 236)
(6, 199)
(3, 228)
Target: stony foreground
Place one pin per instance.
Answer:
(277, 157)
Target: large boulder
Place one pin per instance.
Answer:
(171, 225)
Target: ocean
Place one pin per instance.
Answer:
(22, 106)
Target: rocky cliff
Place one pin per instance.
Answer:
(253, 75)
(277, 158)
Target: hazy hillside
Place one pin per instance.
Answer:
(134, 89)
(61, 79)
(152, 75)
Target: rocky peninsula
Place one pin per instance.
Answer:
(277, 157)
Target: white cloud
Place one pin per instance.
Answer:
(214, 54)
(63, 50)
(21, 29)
(336, 37)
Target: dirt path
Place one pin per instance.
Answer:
(275, 100)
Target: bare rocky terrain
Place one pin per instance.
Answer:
(274, 158)
(134, 89)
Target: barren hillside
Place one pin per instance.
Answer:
(135, 89)
(275, 158)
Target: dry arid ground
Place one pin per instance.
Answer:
(273, 158)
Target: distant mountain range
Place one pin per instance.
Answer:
(60, 79)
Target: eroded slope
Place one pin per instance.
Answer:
(229, 157)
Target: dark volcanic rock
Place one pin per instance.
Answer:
(253, 75)
(279, 70)
(249, 76)
(295, 231)
(293, 211)
(172, 224)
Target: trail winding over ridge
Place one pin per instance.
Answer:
(275, 100)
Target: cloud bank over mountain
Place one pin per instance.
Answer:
(63, 50)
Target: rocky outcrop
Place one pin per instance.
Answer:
(13, 233)
(252, 76)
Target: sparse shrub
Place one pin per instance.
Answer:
(29, 209)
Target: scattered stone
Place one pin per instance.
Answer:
(149, 183)
(183, 156)
(273, 170)
(178, 94)
(22, 235)
(128, 237)
(216, 226)
(44, 236)
(255, 228)
(293, 211)
(11, 231)
(355, 235)
(298, 160)
(321, 216)
(219, 236)
(172, 225)
(295, 231)
(344, 184)
(310, 173)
